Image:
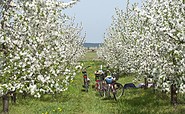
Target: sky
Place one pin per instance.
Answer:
(95, 16)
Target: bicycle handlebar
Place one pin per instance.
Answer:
(84, 69)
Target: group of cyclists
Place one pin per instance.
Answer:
(105, 83)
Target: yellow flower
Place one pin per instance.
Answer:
(60, 109)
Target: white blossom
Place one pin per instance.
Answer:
(42, 44)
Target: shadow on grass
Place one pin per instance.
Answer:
(139, 101)
(83, 90)
(109, 100)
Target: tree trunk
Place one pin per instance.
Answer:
(146, 83)
(173, 94)
(154, 84)
(24, 94)
(5, 103)
(13, 97)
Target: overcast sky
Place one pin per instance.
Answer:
(95, 16)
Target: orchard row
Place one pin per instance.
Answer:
(149, 40)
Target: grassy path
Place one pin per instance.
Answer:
(81, 102)
(76, 101)
(134, 101)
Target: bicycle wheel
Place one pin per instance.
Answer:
(114, 95)
(86, 85)
(112, 92)
(119, 90)
(103, 89)
(98, 85)
(103, 93)
(109, 91)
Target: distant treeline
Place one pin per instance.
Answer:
(92, 44)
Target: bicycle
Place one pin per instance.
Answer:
(112, 88)
(99, 79)
(86, 80)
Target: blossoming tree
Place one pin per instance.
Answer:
(118, 49)
(156, 33)
(167, 21)
(39, 47)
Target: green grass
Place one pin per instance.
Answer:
(90, 56)
(76, 101)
